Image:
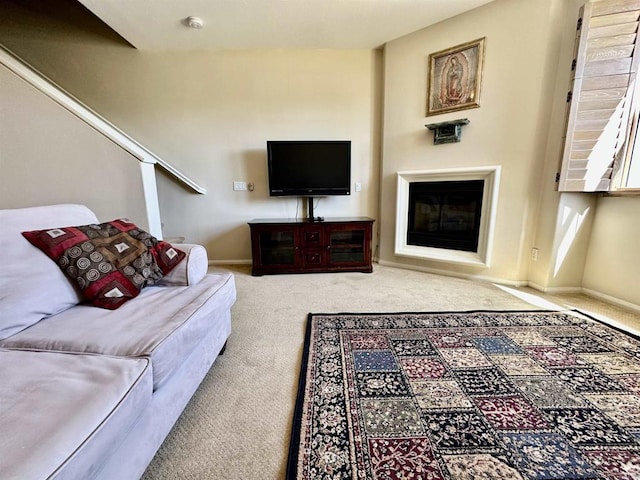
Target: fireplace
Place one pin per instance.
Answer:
(447, 215)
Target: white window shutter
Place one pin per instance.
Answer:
(603, 82)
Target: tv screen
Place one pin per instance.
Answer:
(309, 168)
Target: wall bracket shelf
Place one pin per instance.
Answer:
(447, 132)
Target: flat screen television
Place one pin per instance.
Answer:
(309, 168)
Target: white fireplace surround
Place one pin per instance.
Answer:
(482, 258)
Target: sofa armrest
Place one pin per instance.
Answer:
(190, 270)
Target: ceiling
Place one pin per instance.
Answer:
(249, 24)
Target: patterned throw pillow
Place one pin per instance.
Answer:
(110, 262)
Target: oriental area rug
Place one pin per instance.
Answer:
(466, 395)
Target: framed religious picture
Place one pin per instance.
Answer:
(455, 77)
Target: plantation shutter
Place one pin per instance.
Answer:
(604, 73)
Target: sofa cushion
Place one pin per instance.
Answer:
(32, 286)
(63, 414)
(164, 323)
(111, 262)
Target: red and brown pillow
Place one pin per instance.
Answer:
(110, 262)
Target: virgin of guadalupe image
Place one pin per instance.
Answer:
(454, 81)
(453, 84)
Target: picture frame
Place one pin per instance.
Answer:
(455, 78)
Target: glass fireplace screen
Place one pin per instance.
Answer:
(445, 214)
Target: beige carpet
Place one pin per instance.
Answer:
(238, 423)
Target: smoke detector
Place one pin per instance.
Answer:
(194, 22)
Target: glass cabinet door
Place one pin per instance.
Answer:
(346, 246)
(277, 247)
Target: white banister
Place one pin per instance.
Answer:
(75, 106)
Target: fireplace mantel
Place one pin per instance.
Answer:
(490, 175)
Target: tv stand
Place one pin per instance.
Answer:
(311, 246)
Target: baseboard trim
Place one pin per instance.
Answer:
(447, 273)
(554, 290)
(613, 300)
(229, 262)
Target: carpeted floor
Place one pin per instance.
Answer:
(238, 423)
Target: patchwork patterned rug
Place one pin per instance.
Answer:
(466, 395)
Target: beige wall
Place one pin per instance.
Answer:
(613, 262)
(251, 97)
(209, 114)
(39, 166)
(564, 257)
(509, 129)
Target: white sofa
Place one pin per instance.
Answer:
(87, 392)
